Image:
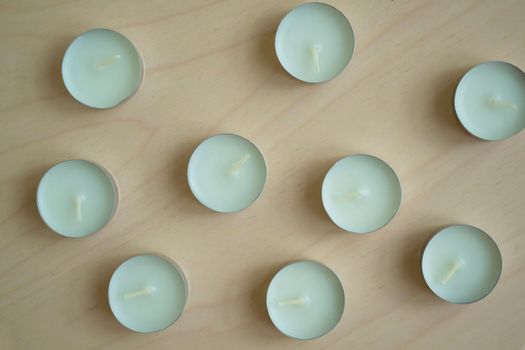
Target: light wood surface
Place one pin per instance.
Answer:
(211, 68)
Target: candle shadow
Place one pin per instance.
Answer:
(312, 194)
(105, 317)
(444, 102)
(411, 266)
(55, 82)
(266, 50)
(411, 261)
(257, 300)
(31, 221)
(31, 182)
(266, 54)
(182, 191)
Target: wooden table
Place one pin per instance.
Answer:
(211, 68)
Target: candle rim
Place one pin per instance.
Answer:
(455, 99)
(351, 31)
(397, 181)
(179, 270)
(434, 235)
(293, 262)
(114, 185)
(265, 172)
(141, 67)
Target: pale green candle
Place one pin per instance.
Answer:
(490, 100)
(314, 42)
(361, 193)
(101, 68)
(461, 264)
(226, 173)
(77, 198)
(305, 300)
(147, 293)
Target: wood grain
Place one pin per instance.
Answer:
(211, 68)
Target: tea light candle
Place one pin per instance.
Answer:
(490, 100)
(305, 300)
(314, 42)
(76, 198)
(147, 293)
(461, 264)
(101, 68)
(226, 173)
(361, 193)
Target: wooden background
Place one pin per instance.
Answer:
(211, 68)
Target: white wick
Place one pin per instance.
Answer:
(140, 292)
(79, 201)
(106, 62)
(497, 101)
(297, 301)
(236, 167)
(316, 50)
(452, 271)
(356, 195)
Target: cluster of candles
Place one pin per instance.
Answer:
(227, 173)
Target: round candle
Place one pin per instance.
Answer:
(314, 42)
(226, 173)
(490, 100)
(147, 293)
(305, 300)
(76, 198)
(461, 264)
(101, 68)
(361, 193)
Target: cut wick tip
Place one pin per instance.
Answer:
(356, 195)
(452, 271)
(297, 301)
(497, 101)
(140, 292)
(315, 50)
(236, 167)
(79, 200)
(106, 62)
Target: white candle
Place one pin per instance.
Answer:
(461, 264)
(147, 293)
(76, 198)
(361, 193)
(314, 42)
(305, 300)
(101, 68)
(490, 100)
(226, 173)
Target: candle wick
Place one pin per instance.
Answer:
(236, 167)
(140, 292)
(107, 61)
(452, 271)
(316, 50)
(297, 301)
(79, 201)
(356, 195)
(497, 101)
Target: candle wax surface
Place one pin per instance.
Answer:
(461, 264)
(152, 312)
(321, 292)
(310, 30)
(226, 173)
(75, 183)
(490, 100)
(361, 193)
(101, 68)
